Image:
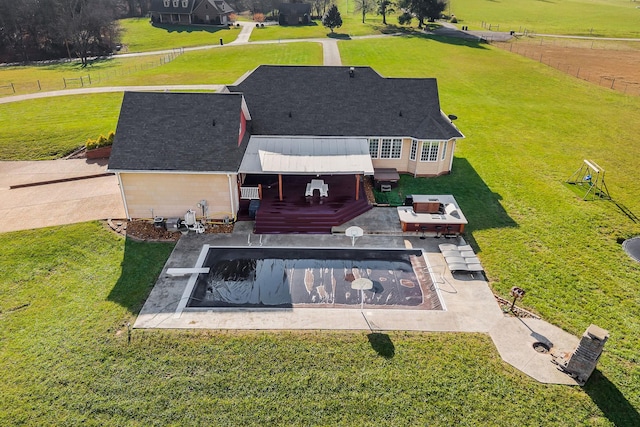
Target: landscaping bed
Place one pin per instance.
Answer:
(146, 231)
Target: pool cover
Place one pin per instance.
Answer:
(294, 277)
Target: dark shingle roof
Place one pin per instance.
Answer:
(158, 6)
(297, 8)
(175, 132)
(326, 101)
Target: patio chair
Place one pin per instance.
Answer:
(455, 267)
(447, 247)
(455, 260)
(451, 253)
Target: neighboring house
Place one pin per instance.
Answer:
(294, 14)
(276, 128)
(186, 12)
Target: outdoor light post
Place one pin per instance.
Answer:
(516, 293)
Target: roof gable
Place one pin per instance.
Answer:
(178, 132)
(297, 8)
(159, 6)
(342, 101)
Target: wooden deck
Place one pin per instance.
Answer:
(297, 213)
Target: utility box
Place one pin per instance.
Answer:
(173, 224)
(254, 205)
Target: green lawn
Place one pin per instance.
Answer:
(51, 77)
(65, 293)
(224, 66)
(140, 36)
(606, 18)
(52, 127)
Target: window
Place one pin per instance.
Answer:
(166, 3)
(391, 148)
(175, 3)
(373, 148)
(185, 3)
(388, 149)
(429, 151)
(444, 150)
(414, 150)
(396, 148)
(385, 149)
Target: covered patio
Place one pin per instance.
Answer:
(303, 184)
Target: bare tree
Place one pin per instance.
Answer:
(87, 25)
(365, 6)
(320, 7)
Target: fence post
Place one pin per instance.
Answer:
(39, 87)
(89, 77)
(65, 82)
(13, 88)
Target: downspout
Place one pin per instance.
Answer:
(232, 211)
(453, 150)
(124, 200)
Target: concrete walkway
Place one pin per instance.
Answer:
(44, 205)
(469, 303)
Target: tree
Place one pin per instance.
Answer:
(332, 18)
(320, 7)
(88, 25)
(424, 9)
(385, 7)
(365, 6)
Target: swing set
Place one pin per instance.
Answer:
(591, 177)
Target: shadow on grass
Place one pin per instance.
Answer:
(141, 265)
(190, 28)
(611, 402)
(382, 344)
(450, 38)
(480, 205)
(339, 36)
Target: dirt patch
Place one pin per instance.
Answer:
(614, 65)
(147, 231)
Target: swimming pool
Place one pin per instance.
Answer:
(279, 277)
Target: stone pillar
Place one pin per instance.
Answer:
(585, 357)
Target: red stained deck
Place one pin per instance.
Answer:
(296, 213)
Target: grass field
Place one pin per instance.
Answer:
(66, 293)
(140, 36)
(100, 72)
(52, 127)
(601, 18)
(66, 358)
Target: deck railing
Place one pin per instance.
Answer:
(251, 193)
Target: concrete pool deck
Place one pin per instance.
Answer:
(470, 303)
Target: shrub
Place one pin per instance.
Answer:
(258, 17)
(405, 18)
(102, 141)
(233, 17)
(454, 20)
